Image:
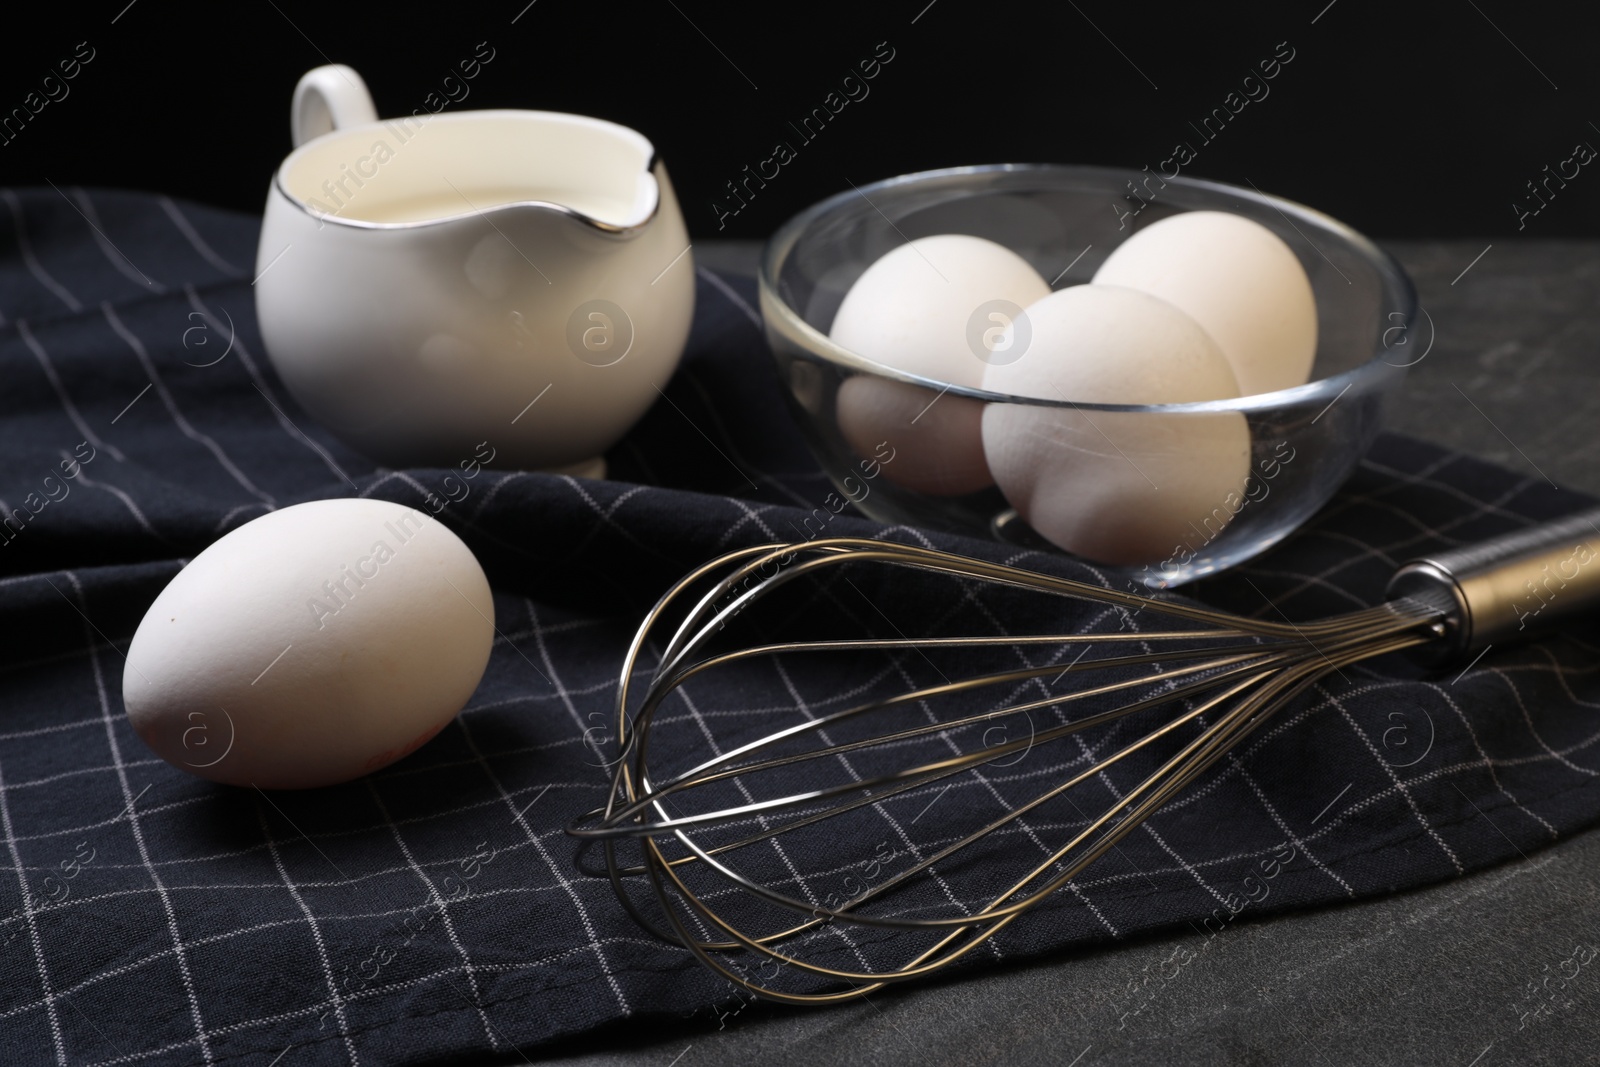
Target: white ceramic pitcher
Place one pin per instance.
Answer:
(428, 284)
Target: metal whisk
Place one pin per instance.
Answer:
(723, 833)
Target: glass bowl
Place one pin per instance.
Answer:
(1065, 220)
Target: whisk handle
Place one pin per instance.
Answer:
(1504, 588)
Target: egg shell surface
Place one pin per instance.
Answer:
(937, 440)
(1238, 280)
(1119, 488)
(310, 646)
(925, 308)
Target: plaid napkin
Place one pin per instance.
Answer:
(437, 909)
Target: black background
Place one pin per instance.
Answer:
(1402, 119)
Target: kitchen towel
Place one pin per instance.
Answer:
(437, 909)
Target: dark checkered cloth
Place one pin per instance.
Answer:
(437, 909)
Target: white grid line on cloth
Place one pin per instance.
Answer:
(1404, 478)
(184, 426)
(121, 263)
(326, 918)
(894, 665)
(1104, 880)
(1112, 878)
(1487, 762)
(21, 579)
(231, 512)
(229, 935)
(577, 898)
(388, 476)
(555, 628)
(1533, 731)
(700, 721)
(487, 498)
(47, 365)
(316, 933)
(604, 514)
(1283, 825)
(260, 383)
(520, 750)
(1426, 533)
(1593, 650)
(127, 501)
(33, 927)
(1261, 740)
(298, 1013)
(751, 515)
(138, 830)
(35, 268)
(324, 835)
(681, 692)
(170, 805)
(526, 698)
(444, 912)
(154, 957)
(561, 690)
(1560, 673)
(1121, 877)
(210, 887)
(519, 814)
(1246, 777)
(909, 795)
(1554, 669)
(877, 806)
(103, 768)
(1404, 792)
(1075, 885)
(1369, 551)
(468, 521)
(1024, 825)
(1104, 776)
(1400, 479)
(1306, 711)
(750, 712)
(1363, 804)
(199, 243)
(733, 298)
(1436, 773)
(984, 780)
(1313, 581)
(58, 728)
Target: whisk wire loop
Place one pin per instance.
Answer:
(1224, 677)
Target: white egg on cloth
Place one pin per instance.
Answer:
(311, 646)
(1238, 280)
(1119, 488)
(936, 307)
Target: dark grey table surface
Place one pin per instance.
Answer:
(1433, 976)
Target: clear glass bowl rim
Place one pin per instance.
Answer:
(1368, 374)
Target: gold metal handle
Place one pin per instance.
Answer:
(1510, 586)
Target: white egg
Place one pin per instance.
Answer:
(1117, 487)
(311, 646)
(1238, 280)
(937, 440)
(935, 307)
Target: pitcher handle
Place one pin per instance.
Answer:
(326, 99)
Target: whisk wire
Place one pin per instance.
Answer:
(1228, 676)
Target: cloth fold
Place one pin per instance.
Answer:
(437, 909)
